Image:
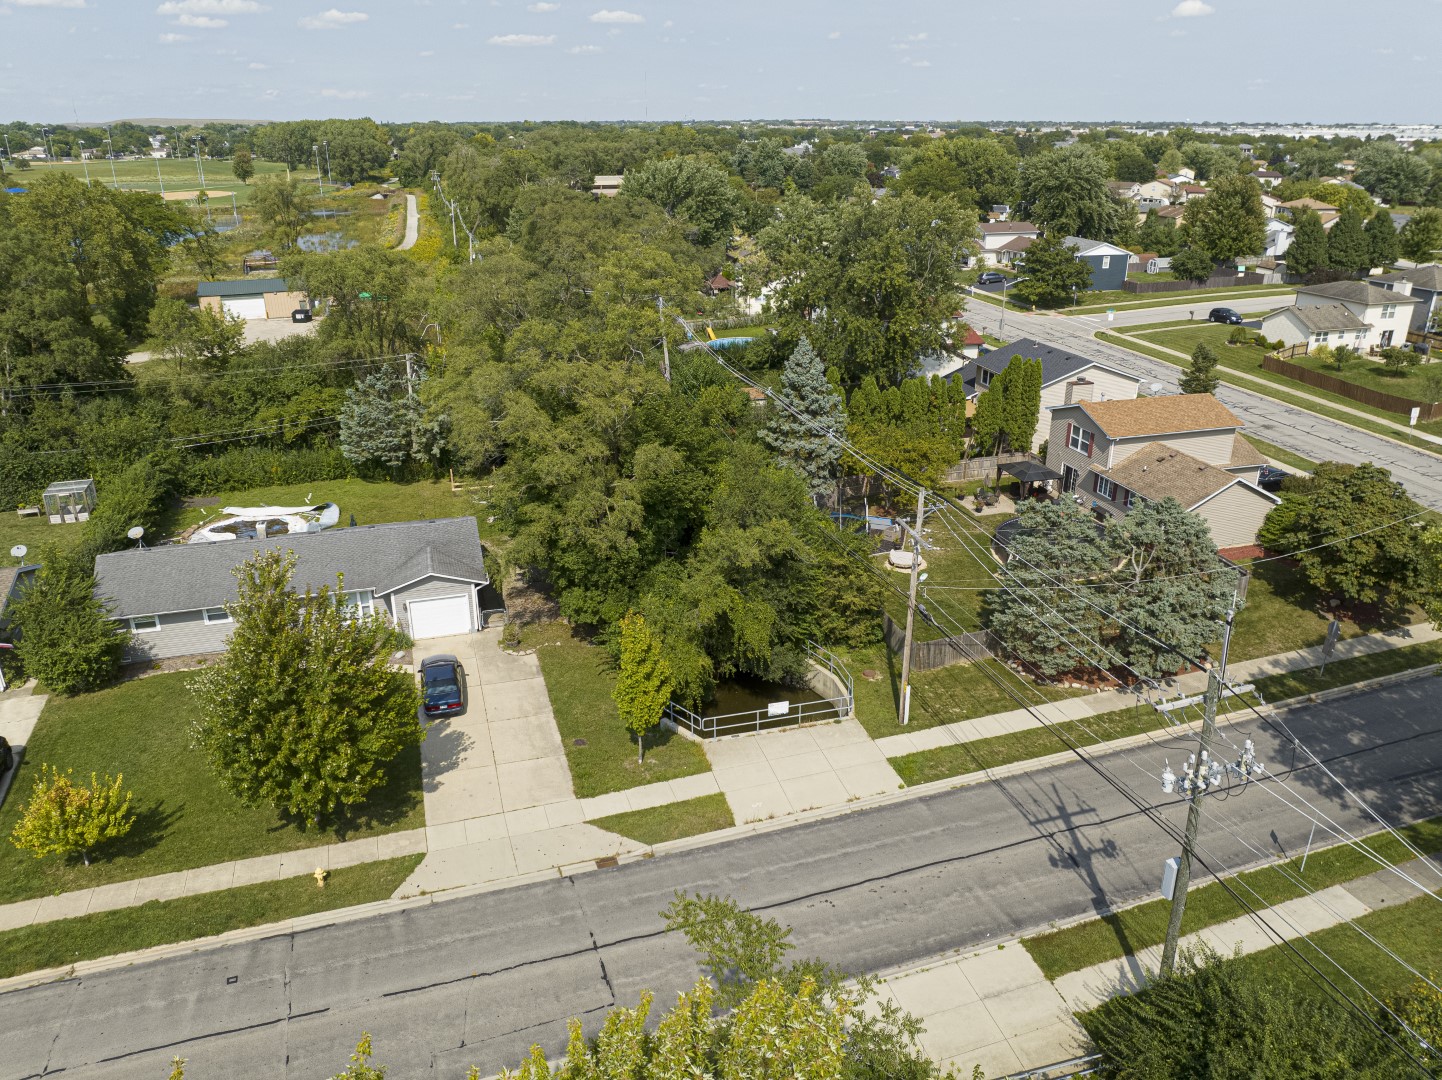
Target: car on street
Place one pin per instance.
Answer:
(1225, 315)
(443, 686)
(990, 277)
(1270, 478)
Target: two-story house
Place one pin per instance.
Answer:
(1155, 193)
(996, 234)
(1372, 316)
(1110, 454)
(1064, 376)
(1424, 283)
(1107, 261)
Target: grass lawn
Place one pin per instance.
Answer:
(599, 750)
(1278, 453)
(175, 174)
(140, 729)
(35, 533)
(1126, 932)
(1352, 670)
(163, 922)
(672, 821)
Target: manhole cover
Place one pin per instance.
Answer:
(578, 742)
(870, 675)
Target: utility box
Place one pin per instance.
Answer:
(1169, 876)
(69, 501)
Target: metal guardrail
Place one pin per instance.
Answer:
(795, 715)
(1062, 1070)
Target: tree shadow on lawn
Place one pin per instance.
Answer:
(388, 805)
(152, 825)
(1288, 583)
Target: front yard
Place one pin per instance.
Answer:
(141, 729)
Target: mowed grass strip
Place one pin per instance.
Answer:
(185, 817)
(1351, 670)
(671, 821)
(1124, 933)
(599, 749)
(164, 922)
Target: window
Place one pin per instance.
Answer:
(215, 615)
(1128, 498)
(1079, 439)
(1320, 337)
(1106, 262)
(144, 624)
(983, 377)
(363, 601)
(1388, 310)
(1104, 487)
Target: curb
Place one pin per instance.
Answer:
(341, 916)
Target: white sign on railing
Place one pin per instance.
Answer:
(778, 708)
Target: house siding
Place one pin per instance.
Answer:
(1059, 454)
(1106, 387)
(431, 588)
(1235, 515)
(180, 633)
(1213, 447)
(1109, 277)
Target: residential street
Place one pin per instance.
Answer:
(476, 980)
(1314, 437)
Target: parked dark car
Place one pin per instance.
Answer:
(7, 756)
(1270, 478)
(300, 314)
(443, 686)
(991, 277)
(1225, 315)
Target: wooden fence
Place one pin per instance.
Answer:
(929, 655)
(1216, 281)
(1375, 398)
(982, 468)
(1290, 351)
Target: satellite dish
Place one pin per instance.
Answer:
(18, 551)
(1156, 388)
(136, 532)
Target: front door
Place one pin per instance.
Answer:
(1386, 338)
(1069, 477)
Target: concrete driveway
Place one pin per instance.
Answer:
(19, 710)
(498, 794)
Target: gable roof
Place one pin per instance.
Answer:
(1082, 246)
(189, 577)
(1004, 227)
(1056, 364)
(243, 287)
(1359, 292)
(1309, 204)
(1018, 243)
(1318, 317)
(1163, 415)
(10, 577)
(1427, 277)
(1244, 454)
(1157, 471)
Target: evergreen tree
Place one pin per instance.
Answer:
(66, 636)
(865, 407)
(1382, 239)
(1308, 251)
(1201, 377)
(801, 434)
(891, 406)
(381, 421)
(987, 421)
(1020, 401)
(1348, 248)
(916, 416)
(1053, 273)
(1159, 235)
(1421, 238)
(643, 684)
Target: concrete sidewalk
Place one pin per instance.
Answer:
(1194, 682)
(996, 1009)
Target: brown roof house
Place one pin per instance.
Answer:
(1185, 446)
(996, 234)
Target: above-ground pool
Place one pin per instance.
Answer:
(259, 522)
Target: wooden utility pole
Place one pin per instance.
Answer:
(665, 350)
(911, 607)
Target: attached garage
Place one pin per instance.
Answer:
(440, 616)
(251, 298)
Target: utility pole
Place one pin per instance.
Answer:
(1202, 774)
(911, 607)
(665, 351)
(410, 376)
(328, 178)
(318, 185)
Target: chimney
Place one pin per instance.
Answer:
(1079, 389)
(1402, 288)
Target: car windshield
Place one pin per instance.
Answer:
(440, 681)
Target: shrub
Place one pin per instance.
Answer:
(65, 818)
(1239, 335)
(66, 637)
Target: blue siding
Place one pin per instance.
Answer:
(1109, 277)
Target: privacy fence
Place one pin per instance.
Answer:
(929, 655)
(1216, 281)
(1375, 398)
(982, 468)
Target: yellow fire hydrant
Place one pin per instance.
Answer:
(320, 875)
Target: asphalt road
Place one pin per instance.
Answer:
(1314, 437)
(477, 980)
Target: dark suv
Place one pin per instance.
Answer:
(1225, 315)
(443, 686)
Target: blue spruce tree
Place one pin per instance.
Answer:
(799, 434)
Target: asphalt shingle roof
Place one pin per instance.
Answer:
(1359, 292)
(1423, 277)
(1056, 364)
(1004, 227)
(1162, 415)
(1158, 470)
(189, 577)
(1244, 453)
(1317, 317)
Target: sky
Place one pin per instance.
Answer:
(397, 60)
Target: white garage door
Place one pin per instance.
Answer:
(247, 307)
(440, 617)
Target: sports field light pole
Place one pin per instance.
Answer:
(329, 179)
(110, 153)
(911, 608)
(318, 185)
(81, 143)
(160, 178)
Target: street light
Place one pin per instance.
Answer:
(110, 153)
(1001, 330)
(81, 143)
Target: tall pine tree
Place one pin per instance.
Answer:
(1382, 239)
(1348, 249)
(805, 418)
(1308, 252)
(1201, 377)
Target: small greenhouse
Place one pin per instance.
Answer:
(67, 501)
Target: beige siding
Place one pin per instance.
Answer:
(1213, 447)
(1235, 515)
(1110, 387)
(279, 305)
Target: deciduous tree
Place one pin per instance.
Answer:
(1052, 273)
(1421, 238)
(304, 712)
(693, 190)
(1066, 191)
(1392, 174)
(283, 207)
(1228, 222)
(1192, 263)
(643, 681)
(62, 817)
(242, 166)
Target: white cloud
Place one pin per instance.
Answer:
(833, 35)
(202, 22)
(333, 19)
(49, 3)
(605, 16)
(585, 50)
(915, 63)
(1191, 9)
(256, 65)
(428, 52)
(541, 9)
(521, 41)
(917, 37)
(344, 95)
(173, 39)
(210, 7)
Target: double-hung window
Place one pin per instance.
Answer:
(1388, 310)
(1104, 487)
(362, 602)
(1079, 439)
